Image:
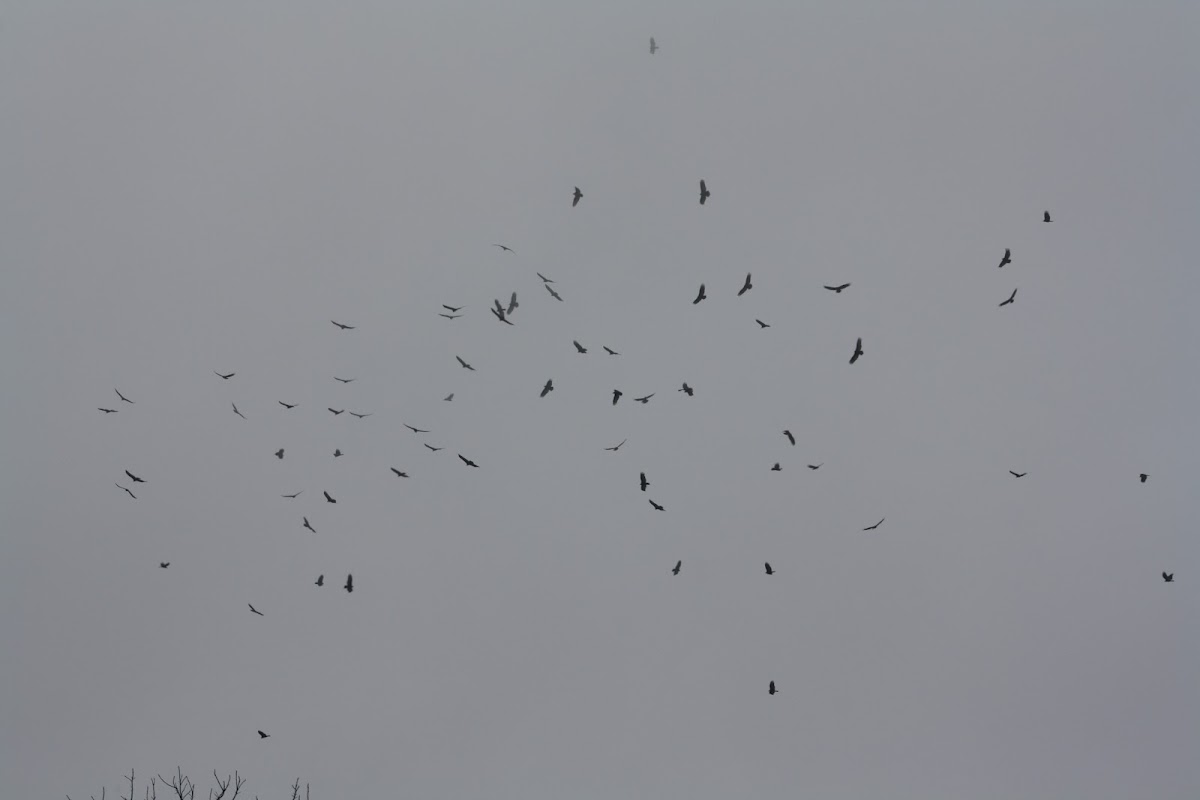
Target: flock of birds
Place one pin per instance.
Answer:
(503, 313)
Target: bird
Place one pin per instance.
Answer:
(464, 364)
(131, 494)
(349, 583)
(553, 293)
(328, 499)
(468, 461)
(771, 688)
(1046, 216)
(657, 507)
(858, 351)
(610, 351)
(224, 377)
(816, 466)
(164, 564)
(1011, 297)
(448, 397)
(689, 391)
(452, 309)
(261, 614)
(287, 406)
(644, 482)
(678, 566)
(133, 477)
(700, 295)
(434, 449)
(337, 452)
(450, 316)
(790, 438)
(838, 289)
(1143, 476)
(704, 192)
(107, 410)
(308, 525)
(578, 346)
(505, 247)
(344, 380)
(578, 196)
(876, 525)
(617, 395)
(747, 286)
(1168, 577)
(499, 313)
(776, 468)
(544, 278)
(235, 410)
(343, 327)
(293, 496)
(123, 397)
(320, 580)
(644, 400)
(617, 447)
(762, 324)
(768, 566)
(362, 416)
(1007, 257)
(415, 430)
(399, 474)
(336, 411)
(264, 735)
(279, 454)
(548, 388)
(653, 46)
(512, 304)
(1017, 474)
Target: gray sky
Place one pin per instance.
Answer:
(199, 187)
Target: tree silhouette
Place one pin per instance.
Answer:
(180, 787)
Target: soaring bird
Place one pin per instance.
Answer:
(264, 735)
(225, 377)
(771, 689)
(415, 430)
(468, 461)
(349, 587)
(858, 351)
(337, 452)
(644, 482)
(498, 312)
(465, 365)
(505, 248)
(287, 406)
(343, 327)
(453, 309)
(578, 346)
(768, 566)
(512, 304)
(448, 397)
(131, 494)
(653, 46)
(644, 400)
(876, 525)
(279, 454)
(838, 289)
(1169, 577)
(107, 410)
(1046, 216)
(399, 474)
(293, 496)
(657, 507)
(1143, 476)
(449, 316)
(235, 410)
(578, 196)
(123, 397)
(544, 278)
(1007, 257)
(164, 564)
(816, 466)
(617, 447)
(790, 438)
(308, 525)
(548, 388)
(610, 351)
(704, 193)
(689, 391)
(321, 580)
(747, 286)
(762, 324)
(617, 395)
(133, 477)
(1011, 297)
(261, 614)
(328, 499)
(336, 411)
(776, 468)
(700, 295)
(678, 566)
(434, 449)
(553, 293)
(361, 416)
(1017, 474)
(344, 380)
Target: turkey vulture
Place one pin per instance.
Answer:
(578, 196)
(320, 580)
(1143, 476)
(131, 494)
(336, 411)
(617, 447)
(768, 566)
(123, 397)
(678, 566)
(434, 449)
(415, 430)
(361, 416)
(747, 286)
(499, 314)
(644, 400)
(264, 735)
(452, 309)
(610, 351)
(279, 454)
(704, 192)
(399, 474)
(816, 466)
(653, 46)
(344, 380)
(349, 587)
(512, 304)
(293, 496)
(164, 564)
(1046, 216)
(337, 452)
(762, 324)
(578, 346)
(876, 525)
(328, 499)
(225, 377)
(287, 406)
(505, 247)
(449, 316)
(343, 327)
(448, 397)
(553, 293)
(468, 461)
(616, 395)
(308, 525)
(548, 388)
(1169, 577)
(107, 410)
(657, 507)
(133, 477)
(776, 468)
(838, 289)
(544, 278)
(790, 438)
(1011, 297)
(261, 614)
(464, 364)
(235, 410)
(771, 689)
(700, 295)
(1017, 474)
(858, 351)
(1007, 257)
(644, 482)
(689, 391)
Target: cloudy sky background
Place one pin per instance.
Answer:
(198, 187)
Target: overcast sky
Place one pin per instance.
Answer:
(190, 187)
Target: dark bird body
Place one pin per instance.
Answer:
(776, 468)
(657, 507)
(1046, 216)
(289, 407)
(704, 192)
(308, 525)
(747, 286)
(344, 380)
(336, 411)
(838, 289)
(320, 580)
(1143, 477)
(578, 346)
(349, 587)
(434, 449)
(762, 324)
(653, 46)
(644, 400)
(577, 197)
(264, 735)
(610, 351)
(415, 430)
(123, 397)
(224, 377)
(1168, 577)
(876, 525)
(644, 482)
(689, 391)
(343, 327)
(133, 477)
(790, 438)
(261, 614)
(1010, 299)
(164, 564)
(293, 496)
(107, 410)
(617, 447)
(1017, 474)
(279, 454)
(235, 410)
(548, 388)
(468, 461)
(399, 474)
(328, 499)
(553, 293)
(678, 566)
(770, 571)
(1007, 257)
(131, 494)
(616, 395)
(858, 351)
(771, 689)
(700, 295)
(465, 365)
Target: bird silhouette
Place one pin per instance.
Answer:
(1143, 477)
(762, 324)
(653, 46)
(771, 689)
(699, 295)
(349, 587)
(678, 566)
(790, 438)
(876, 525)
(776, 468)
(1007, 257)
(1046, 216)
(1017, 474)
(1011, 297)
(261, 614)
(320, 580)
(415, 430)
(450, 316)
(362, 416)
(344, 380)
(838, 289)
(337, 411)
(279, 454)
(657, 507)
(610, 351)
(337, 453)
(133, 477)
(816, 466)
(747, 286)
(512, 304)
(617, 447)
(858, 351)
(1168, 577)
(616, 395)
(224, 377)
(452, 309)
(544, 278)
(644, 400)
(548, 388)
(328, 499)
(123, 397)
(286, 405)
(264, 735)
(343, 327)
(434, 449)
(448, 397)
(131, 494)
(164, 564)
(465, 365)
(293, 496)
(468, 461)
(399, 474)
(689, 391)
(553, 293)
(578, 346)
(577, 198)
(505, 248)
(704, 192)
(499, 314)
(644, 482)
(235, 410)
(308, 525)
(768, 566)
(107, 410)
